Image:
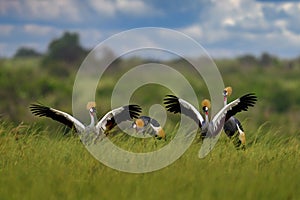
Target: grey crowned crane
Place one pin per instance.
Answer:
(95, 129)
(145, 124)
(233, 125)
(213, 127)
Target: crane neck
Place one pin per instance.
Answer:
(206, 117)
(93, 119)
(225, 100)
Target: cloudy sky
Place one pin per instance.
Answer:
(224, 28)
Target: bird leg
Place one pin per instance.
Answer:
(242, 137)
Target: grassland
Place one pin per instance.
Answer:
(36, 163)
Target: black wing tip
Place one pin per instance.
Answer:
(170, 97)
(35, 105)
(134, 107)
(250, 96)
(171, 102)
(134, 110)
(246, 101)
(38, 109)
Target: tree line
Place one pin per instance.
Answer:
(67, 49)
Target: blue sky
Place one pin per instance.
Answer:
(225, 28)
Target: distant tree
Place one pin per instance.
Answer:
(248, 60)
(26, 52)
(67, 49)
(267, 60)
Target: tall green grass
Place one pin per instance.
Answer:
(38, 162)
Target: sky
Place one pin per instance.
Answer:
(225, 28)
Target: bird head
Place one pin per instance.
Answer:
(227, 91)
(138, 124)
(91, 106)
(161, 134)
(205, 105)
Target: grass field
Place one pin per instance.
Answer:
(38, 163)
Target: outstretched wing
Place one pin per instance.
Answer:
(177, 105)
(118, 115)
(246, 101)
(238, 105)
(57, 115)
(220, 118)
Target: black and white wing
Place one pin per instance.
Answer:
(238, 105)
(154, 123)
(219, 119)
(118, 115)
(177, 105)
(57, 115)
(244, 102)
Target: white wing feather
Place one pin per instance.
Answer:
(108, 116)
(222, 113)
(189, 106)
(79, 126)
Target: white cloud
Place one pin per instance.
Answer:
(40, 30)
(291, 38)
(36, 9)
(135, 7)
(228, 22)
(227, 27)
(194, 31)
(104, 7)
(66, 9)
(238, 25)
(281, 24)
(130, 7)
(287, 6)
(236, 13)
(54, 9)
(7, 6)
